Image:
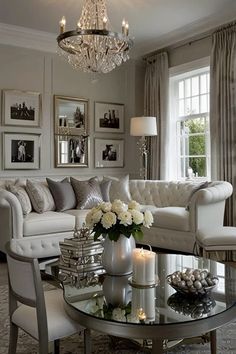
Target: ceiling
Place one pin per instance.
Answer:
(153, 23)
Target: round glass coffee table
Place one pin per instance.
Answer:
(115, 307)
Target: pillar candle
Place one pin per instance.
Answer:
(143, 266)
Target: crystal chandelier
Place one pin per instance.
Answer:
(93, 46)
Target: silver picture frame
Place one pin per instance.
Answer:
(109, 153)
(109, 117)
(71, 151)
(21, 151)
(21, 108)
(70, 115)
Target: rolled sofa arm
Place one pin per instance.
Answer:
(11, 218)
(207, 205)
(216, 192)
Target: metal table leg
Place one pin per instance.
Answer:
(87, 341)
(213, 342)
(157, 346)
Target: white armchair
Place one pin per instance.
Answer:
(40, 314)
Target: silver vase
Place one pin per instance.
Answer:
(117, 255)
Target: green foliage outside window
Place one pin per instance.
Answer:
(197, 145)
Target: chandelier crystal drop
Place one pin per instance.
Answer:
(93, 46)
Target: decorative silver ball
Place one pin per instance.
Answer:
(197, 274)
(189, 283)
(197, 284)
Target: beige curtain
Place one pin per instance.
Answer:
(223, 112)
(156, 92)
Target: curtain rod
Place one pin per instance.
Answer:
(173, 46)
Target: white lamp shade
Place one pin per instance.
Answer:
(143, 126)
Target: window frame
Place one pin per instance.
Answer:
(178, 74)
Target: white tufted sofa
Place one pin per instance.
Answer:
(178, 214)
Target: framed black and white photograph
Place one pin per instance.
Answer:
(71, 115)
(21, 151)
(109, 153)
(21, 108)
(71, 151)
(109, 117)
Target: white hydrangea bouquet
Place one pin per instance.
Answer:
(117, 218)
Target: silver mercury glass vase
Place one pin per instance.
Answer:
(117, 255)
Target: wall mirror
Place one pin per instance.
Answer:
(71, 124)
(71, 115)
(71, 151)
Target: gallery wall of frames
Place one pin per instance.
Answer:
(57, 121)
(22, 150)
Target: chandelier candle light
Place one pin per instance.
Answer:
(93, 46)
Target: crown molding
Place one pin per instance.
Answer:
(18, 36)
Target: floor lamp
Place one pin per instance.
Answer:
(143, 126)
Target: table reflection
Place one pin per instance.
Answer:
(143, 304)
(117, 290)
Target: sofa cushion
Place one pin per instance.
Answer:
(151, 208)
(119, 188)
(174, 218)
(40, 196)
(21, 194)
(46, 223)
(63, 194)
(79, 216)
(88, 193)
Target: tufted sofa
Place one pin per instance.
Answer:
(180, 209)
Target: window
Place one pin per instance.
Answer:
(190, 123)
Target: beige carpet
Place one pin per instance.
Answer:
(102, 344)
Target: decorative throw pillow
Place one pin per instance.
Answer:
(105, 189)
(63, 194)
(88, 193)
(119, 188)
(40, 196)
(22, 196)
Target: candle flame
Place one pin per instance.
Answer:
(63, 21)
(141, 314)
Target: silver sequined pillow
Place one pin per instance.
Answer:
(40, 196)
(88, 193)
(22, 196)
(105, 190)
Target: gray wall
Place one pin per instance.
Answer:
(29, 70)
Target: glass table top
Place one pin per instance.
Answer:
(115, 299)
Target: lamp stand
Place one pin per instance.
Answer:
(143, 151)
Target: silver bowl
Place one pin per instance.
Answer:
(186, 283)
